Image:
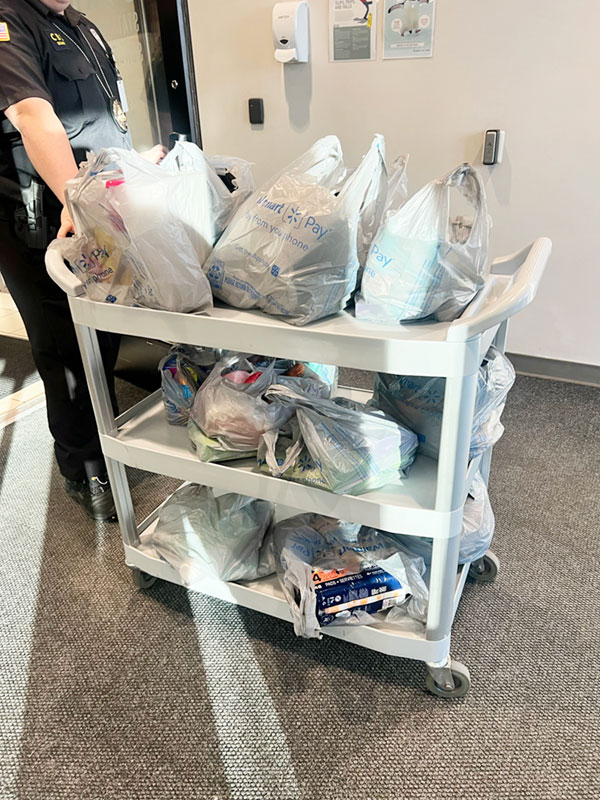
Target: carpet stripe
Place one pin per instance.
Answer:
(20, 567)
(255, 753)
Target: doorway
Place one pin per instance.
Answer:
(151, 43)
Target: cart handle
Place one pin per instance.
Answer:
(527, 267)
(60, 272)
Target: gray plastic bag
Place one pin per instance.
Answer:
(182, 371)
(418, 403)
(423, 263)
(336, 573)
(291, 249)
(230, 413)
(203, 536)
(353, 448)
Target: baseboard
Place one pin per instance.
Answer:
(554, 369)
(17, 405)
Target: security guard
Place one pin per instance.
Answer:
(60, 96)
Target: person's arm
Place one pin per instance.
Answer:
(48, 147)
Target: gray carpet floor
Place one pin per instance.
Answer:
(108, 692)
(17, 369)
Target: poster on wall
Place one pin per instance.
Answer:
(408, 28)
(352, 30)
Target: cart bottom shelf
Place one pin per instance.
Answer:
(265, 595)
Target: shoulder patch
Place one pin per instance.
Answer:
(4, 32)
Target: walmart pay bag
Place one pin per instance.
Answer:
(144, 232)
(336, 573)
(339, 444)
(423, 263)
(418, 402)
(291, 249)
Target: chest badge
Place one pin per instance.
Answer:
(4, 32)
(119, 116)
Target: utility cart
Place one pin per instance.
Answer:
(428, 502)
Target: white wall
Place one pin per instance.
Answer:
(529, 68)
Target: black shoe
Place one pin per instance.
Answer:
(95, 496)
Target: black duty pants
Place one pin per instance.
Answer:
(45, 312)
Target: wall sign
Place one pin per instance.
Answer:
(352, 30)
(408, 28)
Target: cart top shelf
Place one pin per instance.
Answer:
(420, 348)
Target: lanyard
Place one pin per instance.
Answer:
(102, 81)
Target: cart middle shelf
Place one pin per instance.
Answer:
(144, 439)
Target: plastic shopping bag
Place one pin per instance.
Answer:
(183, 370)
(477, 531)
(230, 413)
(102, 265)
(397, 188)
(335, 573)
(237, 175)
(423, 263)
(419, 403)
(341, 445)
(476, 538)
(219, 199)
(291, 249)
(382, 196)
(371, 210)
(155, 224)
(203, 536)
(328, 373)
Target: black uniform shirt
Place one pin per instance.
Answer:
(40, 56)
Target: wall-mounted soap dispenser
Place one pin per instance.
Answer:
(290, 32)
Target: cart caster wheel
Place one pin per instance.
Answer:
(462, 683)
(141, 579)
(485, 569)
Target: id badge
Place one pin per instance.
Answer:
(122, 95)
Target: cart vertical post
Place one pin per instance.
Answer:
(459, 403)
(105, 419)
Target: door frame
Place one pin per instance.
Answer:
(182, 97)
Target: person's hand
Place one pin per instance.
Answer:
(66, 224)
(156, 155)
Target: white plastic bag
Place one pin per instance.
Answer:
(241, 180)
(397, 188)
(203, 536)
(229, 414)
(182, 371)
(341, 445)
(148, 220)
(335, 573)
(371, 210)
(477, 531)
(423, 263)
(188, 158)
(291, 249)
(418, 403)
